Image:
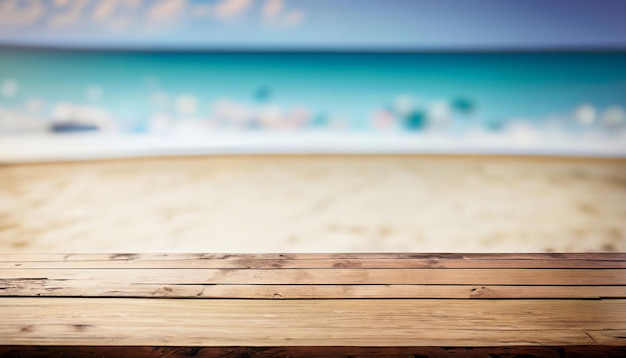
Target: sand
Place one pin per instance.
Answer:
(315, 204)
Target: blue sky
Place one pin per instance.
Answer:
(330, 24)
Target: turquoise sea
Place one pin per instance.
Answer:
(446, 93)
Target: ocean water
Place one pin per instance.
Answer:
(525, 94)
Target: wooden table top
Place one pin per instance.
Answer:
(313, 304)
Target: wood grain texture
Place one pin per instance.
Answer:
(275, 261)
(52, 288)
(344, 304)
(557, 277)
(358, 322)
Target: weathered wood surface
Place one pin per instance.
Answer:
(48, 288)
(356, 322)
(312, 352)
(312, 261)
(556, 277)
(304, 301)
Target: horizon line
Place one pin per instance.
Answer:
(310, 49)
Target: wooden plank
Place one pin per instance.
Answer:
(270, 261)
(365, 323)
(312, 352)
(309, 256)
(318, 264)
(304, 301)
(52, 288)
(589, 277)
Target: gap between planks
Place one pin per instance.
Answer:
(50, 288)
(320, 264)
(550, 277)
(298, 256)
(331, 261)
(311, 352)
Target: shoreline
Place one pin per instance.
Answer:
(81, 147)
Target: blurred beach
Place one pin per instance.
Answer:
(316, 204)
(312, 126)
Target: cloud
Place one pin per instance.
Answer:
(104, 9)
(273, 14)
(133, 4)
(13, 15)
(201, 11)
(295, 17)
(166, 10)
(116, 14)
(120, 23)
(61, 3)
(69, 16)
(272, 8)
(230, 8)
